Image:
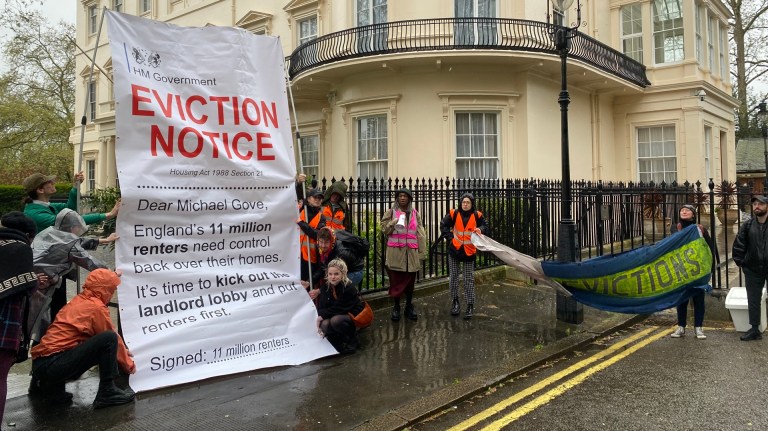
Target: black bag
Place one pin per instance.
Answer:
(352, 242)
(23, 353)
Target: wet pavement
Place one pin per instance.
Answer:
(403, 372)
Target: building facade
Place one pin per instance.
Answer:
(469, 88)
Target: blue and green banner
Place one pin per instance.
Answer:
(644, 280)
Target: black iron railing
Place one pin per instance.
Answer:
(441, 34)
(524, 214)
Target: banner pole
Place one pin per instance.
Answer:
(297, 137)
(83, 122)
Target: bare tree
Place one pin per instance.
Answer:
(749, 53)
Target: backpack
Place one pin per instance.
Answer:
(353, 243)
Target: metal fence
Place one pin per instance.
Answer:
(524, 214)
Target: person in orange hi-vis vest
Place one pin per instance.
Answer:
(457, 228)
(336, 211)
(310, 221)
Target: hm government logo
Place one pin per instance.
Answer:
(144, 56)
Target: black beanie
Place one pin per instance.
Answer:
(19, 221)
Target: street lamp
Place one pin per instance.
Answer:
(762, 116)
(567, 308)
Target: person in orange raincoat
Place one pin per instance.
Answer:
(81, 336)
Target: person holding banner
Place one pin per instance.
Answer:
(83, 336)
(749, 253)
(37, 205)
(457, 227)
(310, 221)
(336, 298)
(688, 217)
(336, 213)
(406, 248)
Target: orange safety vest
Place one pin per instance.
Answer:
(462, 234)
(305, 240)
(334, 221)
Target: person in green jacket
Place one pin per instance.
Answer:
(37, 205)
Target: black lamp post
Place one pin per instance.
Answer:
(762, 116)
(567, 308)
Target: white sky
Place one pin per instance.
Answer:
(53, 10)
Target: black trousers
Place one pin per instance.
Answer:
(755, 283)
(101, 350)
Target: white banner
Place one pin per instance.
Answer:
(208, 240)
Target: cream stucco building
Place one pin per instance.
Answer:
(469, 88)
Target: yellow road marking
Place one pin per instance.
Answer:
(474, 420)
(564, 387)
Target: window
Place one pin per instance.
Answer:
(145, 6)
(724, 74)
(698, 34)
(372, 147)
(707, 147)
(307, 29)
(477, 142)
(371, 12)
(117, 5)
(711, 45)
(309, 155)
(632, 31)
(475, 29)
(90, 166)
(667, 31)
(93, 15)
(656, 160)
(92, 100)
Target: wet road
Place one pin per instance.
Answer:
(636, 379)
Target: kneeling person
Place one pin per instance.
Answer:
(81, 336)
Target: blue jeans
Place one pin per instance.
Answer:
(698, 310)
(355, 277)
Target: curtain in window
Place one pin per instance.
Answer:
(475, 30)
(371, 12)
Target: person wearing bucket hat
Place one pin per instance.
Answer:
(749, 253)
(406, 248)
(37, 205)
(687, 217)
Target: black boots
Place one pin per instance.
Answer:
(456, 307)
(110, 395)
(410, 312)
(396, 312)
(752, 334)
(51, 394)
(470, 309)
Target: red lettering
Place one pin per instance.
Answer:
(166, 145)
(267, 117)
(262, 145)
(190, 114)
(167, 108)
(182, 139)
(235, 141)
(212, 137)
(180, 108)
(250, 103)
(136, 99)
(236, 111)
(220, 105)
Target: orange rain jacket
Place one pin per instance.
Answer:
(83, 317)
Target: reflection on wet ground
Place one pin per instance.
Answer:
(399, 362)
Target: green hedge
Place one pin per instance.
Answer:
(11, 195)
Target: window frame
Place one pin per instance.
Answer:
(663, 29)
(310, 169)
(117, 5)
(90, 169)
(652, 174)
(299, 21)
(633, 37)
(92, 100)
(489, 172)
(384, 120)
(145, 10)
(93, 16)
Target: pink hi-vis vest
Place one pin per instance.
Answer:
(407, 238)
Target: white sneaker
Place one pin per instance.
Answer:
(699, 333)
(679, 332)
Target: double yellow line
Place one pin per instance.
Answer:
(561, 388)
